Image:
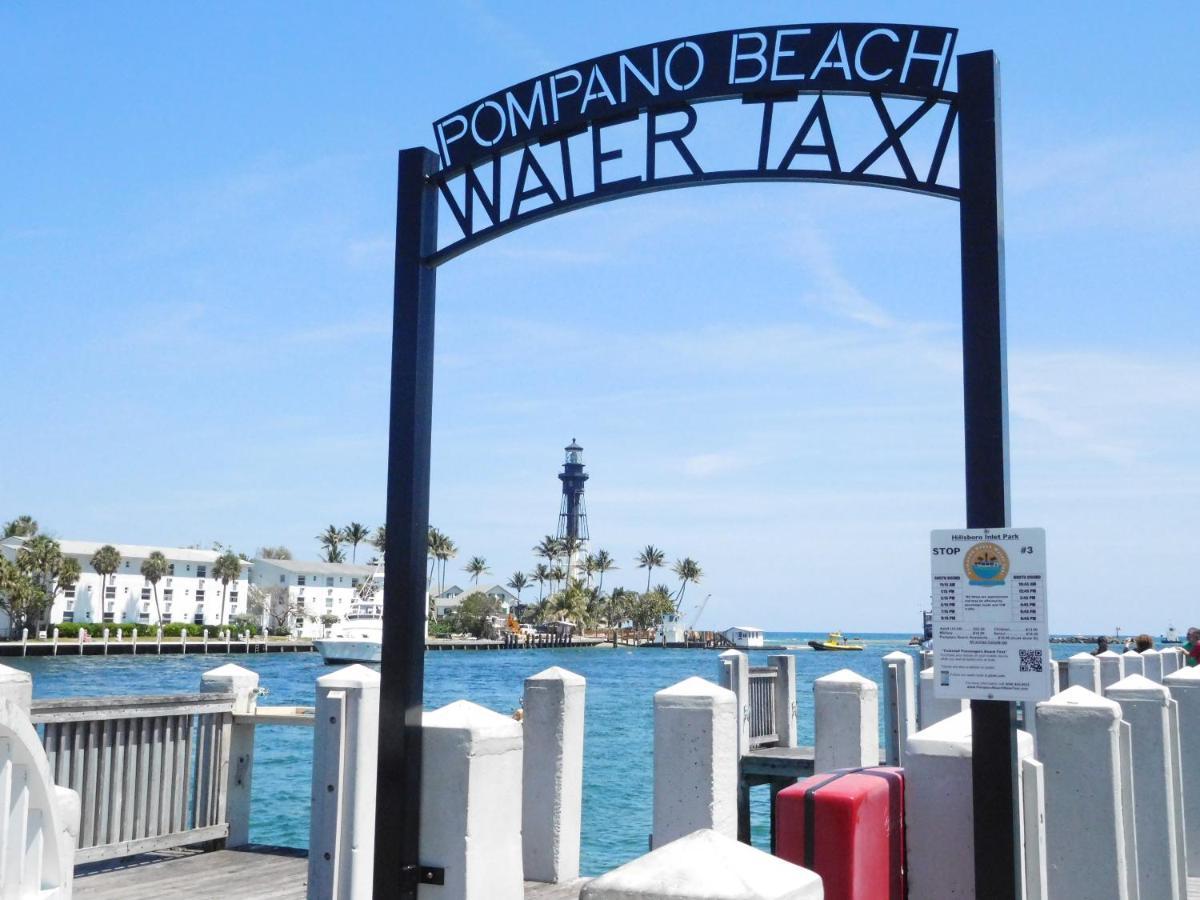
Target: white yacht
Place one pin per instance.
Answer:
(359, 639)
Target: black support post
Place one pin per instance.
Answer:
(994, 763)
(398, 792)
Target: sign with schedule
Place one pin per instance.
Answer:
(991, 639)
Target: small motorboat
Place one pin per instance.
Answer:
(836, 641)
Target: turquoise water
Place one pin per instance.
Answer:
(618, 739)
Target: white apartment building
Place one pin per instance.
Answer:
(188, 593)
(310, 590)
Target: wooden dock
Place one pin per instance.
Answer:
(149, 647)
(271, 873)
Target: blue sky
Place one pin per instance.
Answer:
(196, 239)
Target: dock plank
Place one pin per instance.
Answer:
(271, 873)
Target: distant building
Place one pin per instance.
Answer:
(309, 590)
(188, 593)
(449, 599)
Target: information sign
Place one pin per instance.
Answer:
(990, 635)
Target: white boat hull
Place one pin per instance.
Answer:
(349, 650)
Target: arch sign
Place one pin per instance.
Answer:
(634, 122)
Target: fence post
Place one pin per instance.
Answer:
(1033, 826)
(1079, 739)
(341, 836)
(931, 709)
(695, 760)
(1083, 670)
(1146, 707)
(1152, 660)
(846, 721)
(785, 699)
(1184, 685)
(133, 640)
(552, 775)
(159, 639)
(709, 865)
(899, 705)
(105, 634)
(470, 824)
(1112, 668)
(243, 683)
(1134, 664)
(24, 640)
(55, 641)
(734, 668)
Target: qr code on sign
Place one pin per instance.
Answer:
(1031, 660)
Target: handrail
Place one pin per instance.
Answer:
(91, 709)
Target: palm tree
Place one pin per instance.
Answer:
(105, 561)
(540, 574)
(518, 583)
(650, 559)
(46, 572)
(476, 567)
(227, 568)
(603, 562)
(334, 555)
(154, 567)
(331, 538)
(21, 526)
(686, 569)
(355, 533)
(379, 541)
(432, 542)
(589, 568)
(446, 551)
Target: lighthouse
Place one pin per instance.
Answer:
(572, 516)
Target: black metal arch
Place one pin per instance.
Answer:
(397, 869)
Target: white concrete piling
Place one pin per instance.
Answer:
(733, 673)
(695, 760)
(1184, 686)
(785, 700)
(243, 684)
(931, 709)
(1086, 847)
(899, 705)
(938, 816)
(706, 865)
(341, 835)
(1112, 668)
(1152, 660)
(1146, 707)
(552, 779)
(845, 721)
(1083, 670)
(1172, 659)
(17, 686)
(471, 771)
(1134, 664)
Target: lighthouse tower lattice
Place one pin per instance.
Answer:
(572, 515)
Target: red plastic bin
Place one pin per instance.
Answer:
(848, 827)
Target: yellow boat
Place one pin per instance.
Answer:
(836, 641)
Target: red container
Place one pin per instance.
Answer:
(848, 827)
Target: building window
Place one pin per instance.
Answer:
(108, 616)
(198, 618)
(232, 610)
(328, 581)
(110, 593)
(201, 571)
(69, 615)
(145, 593)
(233, 597)
(167, 618)
(112, 579)
(199, 597)
(353, 582)
(283, 579)
(300, 579)
(127, 564)
(144, 617)
(168, 596)
(171, 568)
(69, 592)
